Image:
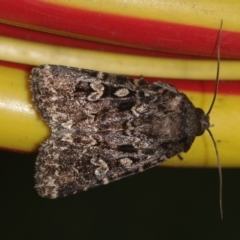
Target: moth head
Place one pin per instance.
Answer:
(203, 121)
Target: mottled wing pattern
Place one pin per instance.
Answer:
(104, 127)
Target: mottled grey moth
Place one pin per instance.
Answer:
(105, 127)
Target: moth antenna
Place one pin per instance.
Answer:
(209, 111)
(218, 68)
(219, 173)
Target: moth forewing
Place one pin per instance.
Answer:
(105, 127)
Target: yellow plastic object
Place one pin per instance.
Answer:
(31, 53)
(200, 13)
(21, 127)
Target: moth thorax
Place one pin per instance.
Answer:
(203, 121)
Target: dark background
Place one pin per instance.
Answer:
(161, 203)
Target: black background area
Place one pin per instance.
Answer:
(161, 203)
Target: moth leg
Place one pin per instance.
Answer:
(180, 157)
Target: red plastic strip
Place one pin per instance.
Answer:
(123, 30)
(48, 38)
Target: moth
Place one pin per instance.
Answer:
(105, 127)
